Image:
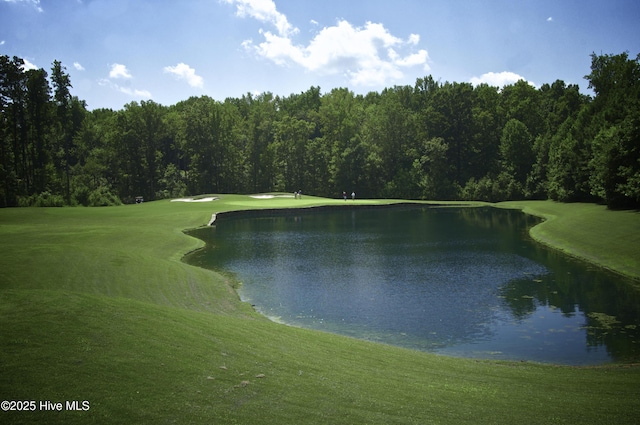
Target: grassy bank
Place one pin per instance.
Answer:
(591, 232)
(96, 305)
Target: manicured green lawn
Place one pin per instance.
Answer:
(608, 238)
(96, 305)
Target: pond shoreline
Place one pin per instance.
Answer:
(547, 233)
(289, 211)
(570, 248)
(314, 215)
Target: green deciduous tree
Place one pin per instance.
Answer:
(615, 163)
(430, 140)
(516, 152)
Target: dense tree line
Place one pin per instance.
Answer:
(432, 140)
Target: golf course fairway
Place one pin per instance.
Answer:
(101, 322)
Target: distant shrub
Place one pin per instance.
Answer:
(501, 188)
(81, 195)
(479, 190)
(103, 197)
(44, 199)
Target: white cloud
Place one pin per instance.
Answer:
(35, 3)
(367, 54)
(264, 11)
(550, 19)
(77, 66)
(184, 72)
(2, 43)
(142, 94)
(119, 71)
(28, 65)
(498, 79)
(419, 58)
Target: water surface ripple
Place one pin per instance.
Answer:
(455, 281)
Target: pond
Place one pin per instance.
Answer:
(465, 282)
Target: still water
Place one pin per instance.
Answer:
(463, 282)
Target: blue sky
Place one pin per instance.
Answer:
(118, 51)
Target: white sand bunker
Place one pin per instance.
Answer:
(270, 196)
(207, 199)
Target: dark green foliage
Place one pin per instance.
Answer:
(516, 151)
(431, 141)
(44, 199)
(615, 163)
(103, 197)
(615, 160)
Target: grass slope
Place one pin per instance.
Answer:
(608, 238)
(96, 305)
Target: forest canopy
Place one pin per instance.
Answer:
(432, 140)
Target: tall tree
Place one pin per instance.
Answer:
(141, 126)
(15, 126)
(62, 97)
(258, 135)
(291, 138)
(391, 132)
(523, 102)
(39, 119)
(430, 170)
(516, 155)
(615, 163)
(340, 118)
(449, 115)
(487, 127)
